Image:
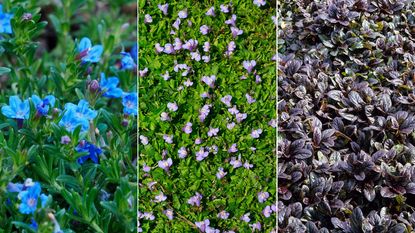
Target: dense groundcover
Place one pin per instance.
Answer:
(346, 116)
(68, 124)
(207, 123)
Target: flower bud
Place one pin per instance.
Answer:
(65, 139)
(93, 86)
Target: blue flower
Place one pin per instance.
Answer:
(92, 150)
(130, 102)
(76, 115)
(129, 60)
(29, 199)
(109, 87)
(34, 224)
(16, 109)
(89, 53)
(42, 105)
(5, 26)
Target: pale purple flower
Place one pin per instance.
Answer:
(212, 230)
(204, 112)
(272, 123)
(243, 77)
(161, 197)
(148, 216)
(256, 226)
(205, 58)
(233, 110)
(151, 184)
(249, 65)
(182, 152)
(240, 117)
(274, 58)
(168, 138)
(159, 48)
(177, 44)
(188, 83)
(253, 149)
(201, 154)
(190, 45)
(164, 153)
(231, 48)
(274, 208)
(248, 165)
(211, 12)
(213, 132)
(274, 19)
(172, 106)
(229, 231)
(204, 29)
(267, 211)
(177, 23)
(209, 80)
(258, 79)
(262, 196)
(213, 149)
(206, 46)
(143, 140)
(203, 225)
(230, 126)
(189, 23)
(168, 48)
(168, 213)
(246, 218)
(179, 88)
(231, 21)
(221, 173)
(249, 98)
(143, 73)
(172, 32)
(146, 168)
(236, 32)
(165, 116)
(195, 55)
(166, 76)
(223, 214)
(256, 133)
(165, 164)
(226, 100)
(233, 148)
(195, 200)
(187, 128)
(198, 141)
(205, 95)
(224, 8)
(260, 3)
(183, 14)
(164, 8)
(236, 162)
(148, 18)
(65, 139)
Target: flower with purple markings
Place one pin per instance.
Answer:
(172, 106)
(168, 213)
(182, 14)
(224, 8)
(245, 217)
(213, 132)
(201, 154)
(240, 117)
(187, 128)
(260, 3)
(159, 48)
(233, 148)
(203, 225)
(250, 99)
(168, 138)
(249, 65)
(211, 12)
(165, 164)
(204, 29)
(267, 211)
(206, 46)
(160, 198)
(226, 100)
(231, 125)
(255, 226)
(256, 133)
(164, 8)
(221, 173)
(236, 32)
(164, 116)
(190, 45)
(148, 18)
(143, 140)
(195, 200)
(182, 152)
(209, 80)
(168, 48)
(223, 215)
(231, 21)
(262, 196)
(236, 162)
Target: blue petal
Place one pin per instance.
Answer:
(8, 112)
(51, 100)
(36, 100)
(84, 44)
(94, 55)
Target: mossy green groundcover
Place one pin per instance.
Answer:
(207, 116)
(68, 116)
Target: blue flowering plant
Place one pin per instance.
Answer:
(68, 107)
